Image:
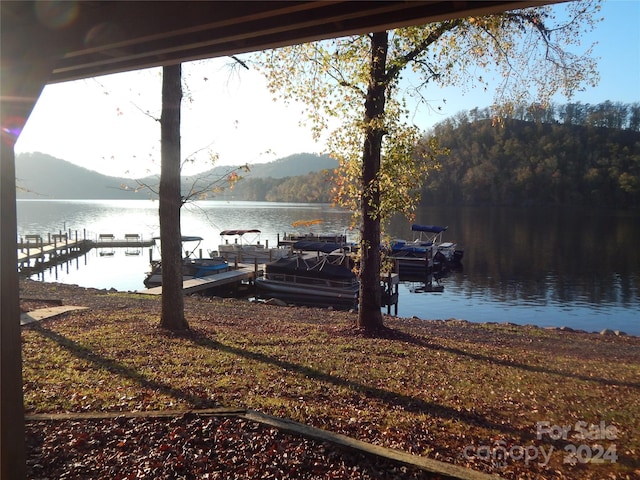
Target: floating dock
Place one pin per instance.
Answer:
(241, 274)
(56, 250)
(38, 252)
(130, 240)
(35, 254)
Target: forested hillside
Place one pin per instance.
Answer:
(313, 187)
(303, 177)
(537, 160)
(573, 154)
(39, 175)
(42, 176)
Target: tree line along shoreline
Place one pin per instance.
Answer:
(568, 155)
(571, 155)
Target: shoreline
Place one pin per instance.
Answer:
(70, 291)
(440, 389)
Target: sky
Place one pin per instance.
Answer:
(109, 124)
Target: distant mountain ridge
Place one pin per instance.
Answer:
(522, 163)
(43, 176)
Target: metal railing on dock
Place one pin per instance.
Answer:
(128, 241)
(37, 252)
(57, 249)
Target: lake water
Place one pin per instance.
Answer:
(549, 267)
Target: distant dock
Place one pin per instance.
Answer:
(34, 252)
(38, 252)
(129, 240)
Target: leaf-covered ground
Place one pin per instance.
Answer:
(468, 394)
(192, 447)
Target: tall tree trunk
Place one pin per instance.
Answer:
(171, 201)
(12, 443)
(369, 315)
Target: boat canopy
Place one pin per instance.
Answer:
(310, 267)
(185, 238)
(428, 228)
(308, 246)
(238, 232)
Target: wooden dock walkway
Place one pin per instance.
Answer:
(58, 248)
(37, 252)
(130, 240)
(31, 242)
(243, 273)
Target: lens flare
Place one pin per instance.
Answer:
(11, 129)
(102, 34)
(56, 13)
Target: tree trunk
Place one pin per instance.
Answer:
(369, 315)
(12, 443)
(171, 201)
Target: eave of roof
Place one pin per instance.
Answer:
(108, 37)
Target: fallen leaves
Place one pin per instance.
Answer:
(426, 387)
(191, 447)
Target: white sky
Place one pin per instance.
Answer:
(100, 123)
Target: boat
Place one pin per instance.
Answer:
(445, 252)
(290, 238)
(247, 248)
(192, 267)
(411, 260)
(427, 254)
(318, 274)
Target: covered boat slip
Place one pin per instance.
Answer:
(319, 274)
(193, 266)
(427, 255)
(247, 248)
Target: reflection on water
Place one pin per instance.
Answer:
(572, 267)
(550, 267)
(119, 271)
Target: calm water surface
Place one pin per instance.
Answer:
(549, 267)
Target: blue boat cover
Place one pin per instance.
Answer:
(308, 246)
(428, 228)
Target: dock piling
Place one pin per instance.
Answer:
(59, 247)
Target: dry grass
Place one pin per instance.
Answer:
(443, 389)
